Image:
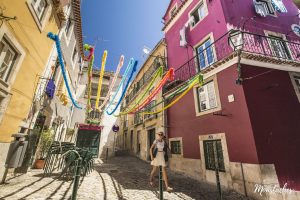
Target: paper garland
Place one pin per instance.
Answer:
(158, 72)
(128, 68)
(175, 93)
(90, 76)
(91, 50)
(198, 80)
(101, 79)
(62, 65)
(169, 76)
(125, 89)
(120, 65)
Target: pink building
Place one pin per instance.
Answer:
(247, 114)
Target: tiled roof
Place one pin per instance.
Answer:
(78, 24)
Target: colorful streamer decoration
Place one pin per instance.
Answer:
(62, 65)
(91, 50)
(90, 75)
(128, 68)
(177, 92)
(158, 72)
(101, 79)
(120, 65)
(192, 84)
(125, 89)
(168, 76)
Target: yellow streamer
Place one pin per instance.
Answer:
(179, 97)
(101, 79)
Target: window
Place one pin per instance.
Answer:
(205, 54)
(149, 108)
(207, 98)
(279, 47)
(8, 56)
(131, 139)
(55, 69)
(95, 113)
(74, 54)
(209, 154)
(138, 119)
(173, 11)
(198, 14)
(39, 7)
(68, 26)
(175, 147)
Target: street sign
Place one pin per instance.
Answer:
(115, 128)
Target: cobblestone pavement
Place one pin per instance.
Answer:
(118, 178)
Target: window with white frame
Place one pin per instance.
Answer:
(207, 98)
(198, 14)
(205, 54)
(279, 47)
(39, 7)
(8, 56)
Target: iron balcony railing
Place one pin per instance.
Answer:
(158, 61)
(209, 53)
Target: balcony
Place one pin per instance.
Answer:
(250, 46)
(145, 78)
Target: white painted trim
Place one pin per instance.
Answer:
(282, 67)
(40, 24)
(196, 8)
(225, 177)
(219, 105)
(182, 10)
(17, 47)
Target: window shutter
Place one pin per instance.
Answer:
(211, 95)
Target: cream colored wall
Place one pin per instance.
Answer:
(37, 48)
(156, 123)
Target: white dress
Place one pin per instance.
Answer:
(159, 159)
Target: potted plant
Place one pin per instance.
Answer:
(47, 137)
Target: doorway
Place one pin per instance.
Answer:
(138, 143)
(151, 138)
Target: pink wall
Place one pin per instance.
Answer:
(237, 12)
(274, 110)
(213, 23)
(182, 122)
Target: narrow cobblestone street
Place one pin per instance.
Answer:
(118, 178)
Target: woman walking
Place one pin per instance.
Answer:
(158, 158)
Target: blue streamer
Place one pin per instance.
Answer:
(124, 91)
(62, 65)
(130, 64)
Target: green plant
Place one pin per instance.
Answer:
(47, 137)
(70, 131)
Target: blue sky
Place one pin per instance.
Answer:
(127, 25)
